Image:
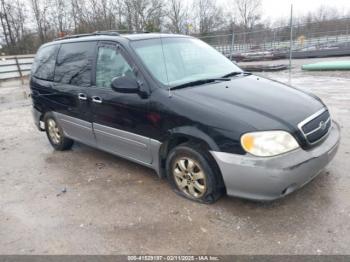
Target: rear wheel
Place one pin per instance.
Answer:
(192, 173)
(55, 134)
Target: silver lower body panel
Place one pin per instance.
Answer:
(268, 179)
(36, 117)
(76, 129)
(136, 148)
(123, 143)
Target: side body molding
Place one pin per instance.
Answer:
(136, 148)
(122, 143)
(76, 129)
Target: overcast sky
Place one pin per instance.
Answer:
(281, 8)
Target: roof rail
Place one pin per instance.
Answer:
(71, 36)
(105, 32)
(111, 32)
(133, 31)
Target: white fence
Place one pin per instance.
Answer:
(15, 66)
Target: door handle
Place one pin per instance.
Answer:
(82, 96)
(97, 99)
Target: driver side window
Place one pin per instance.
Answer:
(110, 64)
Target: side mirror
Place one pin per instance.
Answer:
(125, 84)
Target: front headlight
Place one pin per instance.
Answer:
(268, 143)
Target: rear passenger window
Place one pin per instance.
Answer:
(44, 63)
(74, 63)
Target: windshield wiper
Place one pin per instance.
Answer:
(237, 73)
(199, 82)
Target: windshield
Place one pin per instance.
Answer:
(182, 60)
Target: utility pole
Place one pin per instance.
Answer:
(232, 44)
(291, 41)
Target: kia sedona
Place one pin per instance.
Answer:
(176, 105)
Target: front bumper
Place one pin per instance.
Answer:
(272, 178)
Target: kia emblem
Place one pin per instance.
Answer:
(323, 125)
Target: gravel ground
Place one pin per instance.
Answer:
(88, 202)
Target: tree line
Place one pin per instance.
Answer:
(26, 24)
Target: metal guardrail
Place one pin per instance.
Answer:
(228, 44)
(15, 66)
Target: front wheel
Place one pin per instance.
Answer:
(55, 134)
(192, 174)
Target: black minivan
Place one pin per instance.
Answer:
(175, 104)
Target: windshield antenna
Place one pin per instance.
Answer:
(166, 70)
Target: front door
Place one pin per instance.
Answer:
(119, 119)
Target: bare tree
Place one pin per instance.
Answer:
(249, 12)
(76, 14)
(40, 12)
(144, 15)
(177, 16)
(59, 16)
(5, 11)
(12, 19)
(208, 15)
(324, 13)
(119, 9)
(102, 14)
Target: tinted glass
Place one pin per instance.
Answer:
(44, 63)
(74, 63)
(110, 64)
(176, 61)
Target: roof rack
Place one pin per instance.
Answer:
(132, 31)
(105, 32)
(110, 32)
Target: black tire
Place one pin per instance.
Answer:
(60, 143)
(213, 181)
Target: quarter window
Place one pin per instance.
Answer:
(74, 63)
(110, 64)
(44, 63)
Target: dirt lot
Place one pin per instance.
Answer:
(112, 206)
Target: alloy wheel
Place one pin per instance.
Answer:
(190, 177)
(54, 131)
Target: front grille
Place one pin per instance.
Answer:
(316, 127)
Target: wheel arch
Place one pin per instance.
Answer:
(182, 135)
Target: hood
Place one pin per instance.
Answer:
(258, 102)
